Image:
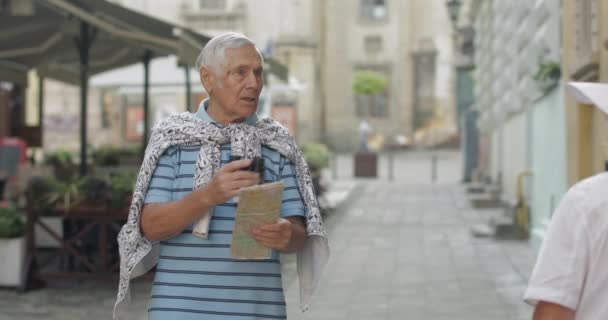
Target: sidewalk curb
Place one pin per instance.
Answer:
(337, 212)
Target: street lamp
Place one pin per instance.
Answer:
(453, 9)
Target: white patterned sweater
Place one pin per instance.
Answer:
(138, 255)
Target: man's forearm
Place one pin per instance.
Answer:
(552, 311)
(161, 221)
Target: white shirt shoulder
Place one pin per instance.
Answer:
(564, 273)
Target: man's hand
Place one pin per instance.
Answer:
(229, 180)
(552, 311)
(286, 235)
(159, 221)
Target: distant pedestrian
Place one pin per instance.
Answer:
(570, 279)
(364, 131)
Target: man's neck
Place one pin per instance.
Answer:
(215, 111)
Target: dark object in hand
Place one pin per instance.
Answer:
(257, 165)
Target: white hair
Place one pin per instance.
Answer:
(213, 55)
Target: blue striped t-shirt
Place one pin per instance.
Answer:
(196, 278)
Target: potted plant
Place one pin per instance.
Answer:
(65, 193)
(367, 85)
(121, 185)
(95, 191)
(547, 76)
(130, 156)
(62, 163)
(49, 197)
(12, 247)
(105, 156)
(317, 158)
(109, 160)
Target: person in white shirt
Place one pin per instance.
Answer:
(570, 279)
(364, 130)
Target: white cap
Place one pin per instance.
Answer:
(590, 93)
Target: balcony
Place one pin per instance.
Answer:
(212, 20)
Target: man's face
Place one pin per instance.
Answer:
(237, 88)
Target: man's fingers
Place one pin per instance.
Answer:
(264, 233)
(236, 165)
(244, 175)
(277, 226)
(273, 227)
(268, 242)
(232, 189)
(265, 238)
(238, 180)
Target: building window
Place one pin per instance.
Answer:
(374, 106)
(374, 10)
(212, 4)
(373, 44)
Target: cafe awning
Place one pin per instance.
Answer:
(71, 40)
(47, 37)
(43, 35)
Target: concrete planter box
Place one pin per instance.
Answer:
(12, 252)
(366, 164)
(42, 238)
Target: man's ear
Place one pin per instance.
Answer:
(207, 79)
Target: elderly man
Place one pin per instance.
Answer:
(570, 280)
(188, 175)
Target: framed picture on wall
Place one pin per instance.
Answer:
(134, 123)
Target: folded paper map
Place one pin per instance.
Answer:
(258, 205)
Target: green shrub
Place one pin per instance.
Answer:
(11, 225)
(95, 190)
(122, 185)
(39, 190)
(549, 70)
(548, 75)
(369, 83)
(65, 192)
(316, 155)
(62, 161)
(59, 158)
(111, 156)
(105, 156)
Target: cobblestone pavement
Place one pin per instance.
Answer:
(401, 249)
(405, 251)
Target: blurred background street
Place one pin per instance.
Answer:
(400, 249)
(440, 136)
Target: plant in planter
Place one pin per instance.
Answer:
(317, 158)
(11, 225)
(95, 191)
(130, 156)
(65, 193)
(12, 244)
(105, 156)
(368, 86)
(42, 198)
(547, 76)
(63, 164)
(38, 194)
(122, 185)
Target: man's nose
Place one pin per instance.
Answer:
(253, 81)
